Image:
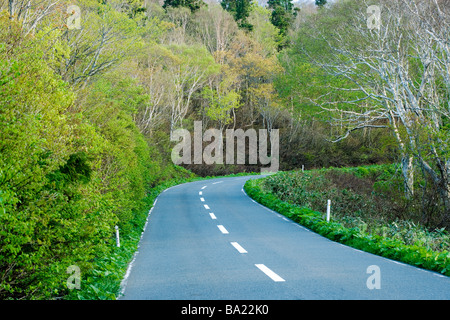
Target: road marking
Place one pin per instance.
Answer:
(202, 199)
(212, 216)
(301, 227)
(217, 182)
(222, 229)
(269, 273)
(200, 193)
(238, 247)
(203, 187)
(206, 206)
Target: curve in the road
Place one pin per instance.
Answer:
(209, 240)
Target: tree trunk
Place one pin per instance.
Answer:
(408, 175)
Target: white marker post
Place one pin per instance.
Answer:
(328, 210)
(117, 237)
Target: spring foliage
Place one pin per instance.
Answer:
(73, 163)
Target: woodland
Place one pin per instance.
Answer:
(91, 90)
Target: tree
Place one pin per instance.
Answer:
(32, 14)
(106, 37)
(221, 104)
(50, 214)
(240, 9)
(321, 3)
(216, 29)
(282, 14)
(287, 5)
(193, 5)
(399, 75)
(151, 72)
(188, 68)
(264, 32)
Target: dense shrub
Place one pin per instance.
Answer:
(370, 198)
(72, 166)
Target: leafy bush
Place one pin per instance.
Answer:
(370, 198)
(70, 170)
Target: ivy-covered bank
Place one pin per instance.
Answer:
(388, 247)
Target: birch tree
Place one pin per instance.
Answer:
(398, 76)
(155, 80)
(31, 13)
(188, 71)
(105, 38)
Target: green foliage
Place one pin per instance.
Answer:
(282, 14)
(370, 198)
(72, 166)
(220, 105)
(193, 5)
(76, 169)
(240, 9)
(287, 5)
(264, 31)
(320, 3)
(37, 221)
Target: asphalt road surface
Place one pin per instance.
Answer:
(208, 240)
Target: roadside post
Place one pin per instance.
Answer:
(328, 210)
(117, 237)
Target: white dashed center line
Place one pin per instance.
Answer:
(275, 277)
(269, 273)
(238, 247)
(222, 229)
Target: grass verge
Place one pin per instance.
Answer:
(387, 247)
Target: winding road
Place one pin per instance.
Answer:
(208, 240)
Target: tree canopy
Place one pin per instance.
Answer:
(240, 9)
(193, 5)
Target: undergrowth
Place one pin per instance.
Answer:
(103, 282)
(369, 212)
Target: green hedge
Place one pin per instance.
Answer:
(353, 237)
